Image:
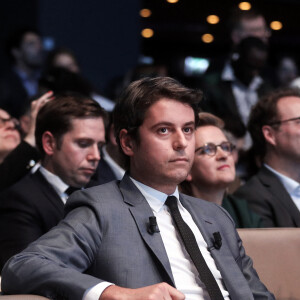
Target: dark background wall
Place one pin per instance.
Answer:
(103, 34)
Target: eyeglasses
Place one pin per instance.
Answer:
(284, 121)
(3, 121)
(211, 149)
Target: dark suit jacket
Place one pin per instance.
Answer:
(28, 209)
(267, 196)
(105, 235)
(103, 174)
(220, 101)
(16, 164)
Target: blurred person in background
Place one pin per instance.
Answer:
(274, 192)
(64, 58)
(213, 171)
(20, 83)
(18, 156)
(69, 134)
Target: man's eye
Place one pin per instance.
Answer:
(163, 130)
(188, 129)
(82, 144)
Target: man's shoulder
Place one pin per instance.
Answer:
(28, 187)
(203, 206)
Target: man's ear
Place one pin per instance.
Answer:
(49, 143)
(269, 135)
(126, 142)
(112, 137)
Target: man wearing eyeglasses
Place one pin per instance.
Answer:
(274, 192)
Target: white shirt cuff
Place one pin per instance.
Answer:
(95, 292)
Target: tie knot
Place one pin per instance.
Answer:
(171, 202)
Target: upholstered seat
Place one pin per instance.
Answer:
(276, 258)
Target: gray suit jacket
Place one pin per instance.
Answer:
(268, 197)
(104, 237)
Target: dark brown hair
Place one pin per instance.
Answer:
(130, 110)
(264, 113)
(57, 115)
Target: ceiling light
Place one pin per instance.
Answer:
(145, 13)
(276, 25)
(172, 1)
(207, 38)
(147, 33)
(213, 19)
(245, 6)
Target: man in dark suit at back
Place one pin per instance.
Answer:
(19, 83)
(139, 238)
(274, 192)
(69, 133)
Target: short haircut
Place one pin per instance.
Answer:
(208, 119)
(130, 110)
(56, 52)
(264, 113)
(57, 115)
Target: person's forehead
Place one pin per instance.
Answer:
(249, 23)
(4, 114)
(209, 133)
(169, 104)
(30, 36)
(289, 105)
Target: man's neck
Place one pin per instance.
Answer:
(284, 166)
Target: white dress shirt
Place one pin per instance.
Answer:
(291, 186)
(58, 185)
(184, 272)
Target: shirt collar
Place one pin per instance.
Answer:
(290, 184)
(59, 186)
(155, 198)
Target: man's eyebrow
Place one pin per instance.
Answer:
(165, 123)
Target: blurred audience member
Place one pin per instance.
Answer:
(213, 171)
(245, 23)
(274, 192)
(17, 156)
(69, 133)
(20, 83)
(241, 24)
(231, 95)
(286, 71)
(64, 58)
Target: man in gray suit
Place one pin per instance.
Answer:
(274, 192)
(118, 240)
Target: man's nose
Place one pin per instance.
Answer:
(94, 153)
(180, 141)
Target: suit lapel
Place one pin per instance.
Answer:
(223, 258)
(279, 193)
(48, 191)
(141, 211)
